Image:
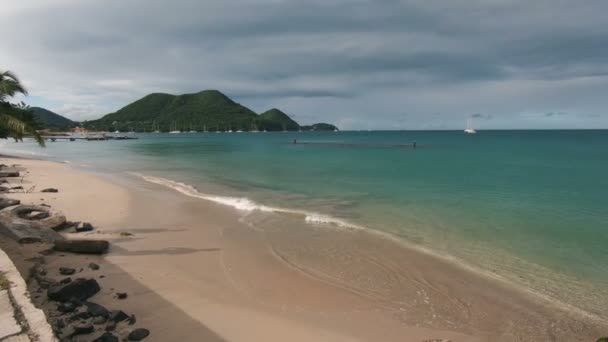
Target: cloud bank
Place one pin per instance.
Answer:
(360, 64)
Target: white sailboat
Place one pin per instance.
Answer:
(469, 129)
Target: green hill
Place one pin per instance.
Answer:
(276, 120)
(51, 120)
(320, 127)
(208, 109)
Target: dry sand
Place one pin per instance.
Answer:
(195, 272)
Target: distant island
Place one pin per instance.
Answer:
(208, 110)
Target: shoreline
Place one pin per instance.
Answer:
(238, 263)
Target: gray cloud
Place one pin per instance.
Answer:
(361, 64)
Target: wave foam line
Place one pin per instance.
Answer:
(245, 204)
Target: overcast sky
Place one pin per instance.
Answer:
(360, 64)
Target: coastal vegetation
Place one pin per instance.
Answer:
(320, 127)
(16, 120)
(51, 120)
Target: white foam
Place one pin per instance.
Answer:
(245, 204)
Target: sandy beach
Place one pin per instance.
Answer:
(194, 271)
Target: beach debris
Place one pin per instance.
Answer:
(19, 187)
(84, 227)
(125, 234)
(121, 295)
(138, 334)
(49, 190)
(118, 316)
(4, 189)
(8, 202)
(106, 337)
(9, 173)
(66, 271)
(30, 223)
(602, 339)
(93, 266)
(82, 246)
(132, 320)
(80, 289)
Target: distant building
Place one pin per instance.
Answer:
(79, 130)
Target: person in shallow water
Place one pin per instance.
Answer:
(295, 141)
(414, 144)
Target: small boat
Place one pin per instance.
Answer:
(469, 129)
(175, 132)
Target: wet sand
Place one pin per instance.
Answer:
(194, 268)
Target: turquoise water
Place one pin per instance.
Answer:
(527, 205)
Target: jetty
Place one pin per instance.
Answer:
(89, 137)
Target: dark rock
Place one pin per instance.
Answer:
(44, 282)
(17, 188)
(47, 252)
(106, 337)
(50, 190)
(118, 316)
(42, 272)
(121, 295)
(82, 315)
(66, 307)
(79, 289)
(65, 280)
(100, 320)
(138, 334)
(45, 205)
(84, 227)
(82, 246)
(132, 320)
(8, 202)
(94, 266)
(125, 234)
(82, 328)
(66, 271)
(96, 310)
(9, 173)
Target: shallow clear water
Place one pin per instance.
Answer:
(528, 205)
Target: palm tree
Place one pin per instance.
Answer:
(9, 121)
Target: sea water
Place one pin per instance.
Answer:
(529, 206)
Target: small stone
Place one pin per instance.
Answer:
(100, 320)
(125, 234)
(50, 190)
(82, 328)
(118, 316)
(138, 334)
(66, 271)
(65, 280)
(66, 307)
(84, 227)
(94, 266)
(106, 337)
(96, 310)
(121, 295)
(42, 272)
(80, 289)
(132, 320)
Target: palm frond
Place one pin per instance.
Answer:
(18, 128)
(10, 85)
